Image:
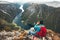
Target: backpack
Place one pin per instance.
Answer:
(42, 32)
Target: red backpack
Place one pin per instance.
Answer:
(42, 32)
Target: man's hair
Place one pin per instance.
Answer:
(41, 22)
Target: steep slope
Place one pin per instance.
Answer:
(8, 11)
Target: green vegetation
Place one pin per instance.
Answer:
(4, 25)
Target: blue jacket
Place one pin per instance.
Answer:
(36, 28)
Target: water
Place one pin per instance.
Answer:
(17, 19)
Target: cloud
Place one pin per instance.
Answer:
(24, 1)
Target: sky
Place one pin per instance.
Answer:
(24, 1)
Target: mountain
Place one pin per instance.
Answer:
(8, 10)
(48, 13)
(26, 5)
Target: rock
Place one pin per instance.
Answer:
(23, 35)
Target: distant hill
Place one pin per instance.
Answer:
(8, 10)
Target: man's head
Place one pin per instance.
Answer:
(38, 22)
(41, 22)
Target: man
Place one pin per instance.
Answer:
(40, 30)
(43, 31)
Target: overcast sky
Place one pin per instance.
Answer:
(24, 1)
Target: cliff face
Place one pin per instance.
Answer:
(8, 11)
(49, 14)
